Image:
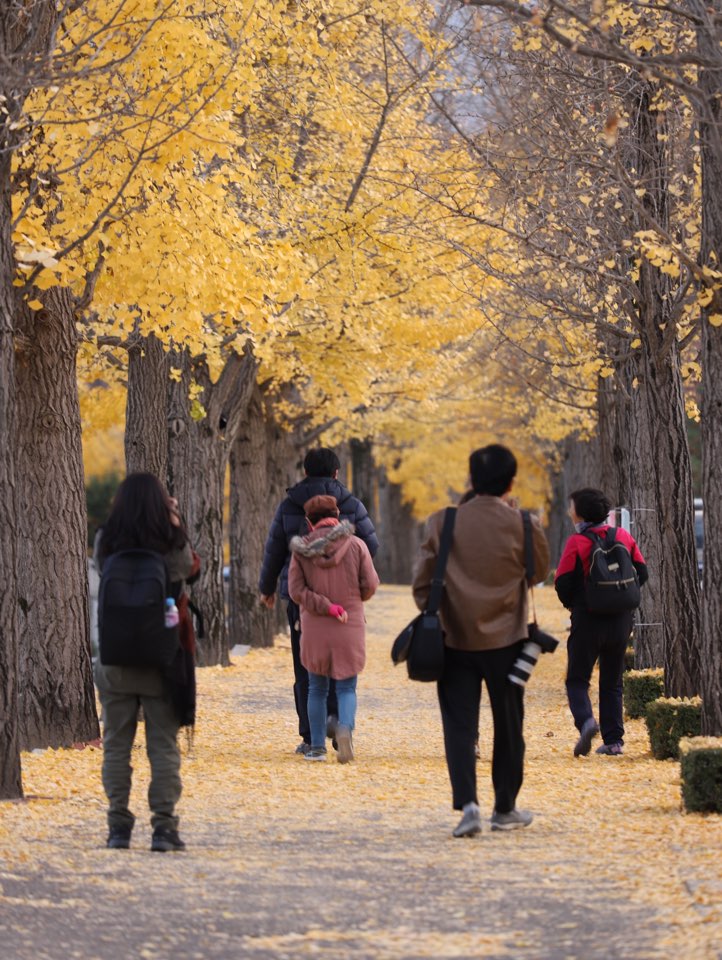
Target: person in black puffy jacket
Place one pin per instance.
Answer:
(321, 467)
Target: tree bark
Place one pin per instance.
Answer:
(711, 646)
(398, 532)
(362, 474)
(199, 446)
(250, 512)
(660, 470)
(284, 458)
(10, 773)
(710, 83)
(607, 436)
(56, 699)
(579, 468)
(264, 463)
(26, 37)
(146, 421)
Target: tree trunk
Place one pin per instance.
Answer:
(271, 457)
(636, 464)
(200, 442)
(398, 532)
(362, 474)
(250, 512)
(660, 462)
(10, 775)
(56, 697)
(146, 421)
(26, 36)
(607, 436)
(710, 82)
(666, 532)
(284, 459)
(579, 468)
(711, 645)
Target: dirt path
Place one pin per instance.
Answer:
(292, 859)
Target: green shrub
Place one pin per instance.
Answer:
(670, 719)
(640, 688)
(701, 769)
(629, 658)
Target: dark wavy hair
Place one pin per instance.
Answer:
(140, 518)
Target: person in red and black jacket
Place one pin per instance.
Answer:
(594, 636)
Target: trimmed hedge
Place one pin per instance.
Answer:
(701, 769)
(670, 719)
(640, 688)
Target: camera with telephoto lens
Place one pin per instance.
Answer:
(538, 643)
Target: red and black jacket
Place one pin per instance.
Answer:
(573, 566)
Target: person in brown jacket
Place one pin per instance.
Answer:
(330, 576)
(484, 613)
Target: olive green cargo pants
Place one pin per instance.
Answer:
(120, 721)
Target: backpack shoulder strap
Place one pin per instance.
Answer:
(598, 539)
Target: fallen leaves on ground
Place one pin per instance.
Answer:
(287, 857)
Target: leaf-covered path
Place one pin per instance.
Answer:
(290, 859)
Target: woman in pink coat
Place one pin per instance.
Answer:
(330, 576)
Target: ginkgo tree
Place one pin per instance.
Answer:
(106, 139)
(665, 48)
(86, 118)
(137, 146)
(583, 292)
(316, 245)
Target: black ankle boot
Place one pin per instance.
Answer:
(118, 838)
(165, 840)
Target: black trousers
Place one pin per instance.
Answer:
(459, 698)
(593, 637)
(300, 677)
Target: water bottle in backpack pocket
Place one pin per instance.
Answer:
(612, 585)
(132, 609)
(172, 617)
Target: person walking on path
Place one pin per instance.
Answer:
(594, 636)
(484, 613)
(330, 577)
(321, 466)
(144, 517)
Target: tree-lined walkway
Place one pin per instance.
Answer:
(290, 859)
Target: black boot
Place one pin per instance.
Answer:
(165, 840)
(118, 838)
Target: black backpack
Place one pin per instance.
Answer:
(612, 585)
(133, 589)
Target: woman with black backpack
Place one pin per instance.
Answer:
(143, 555)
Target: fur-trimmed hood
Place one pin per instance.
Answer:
(325, 545)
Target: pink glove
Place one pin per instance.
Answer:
(337, 611)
